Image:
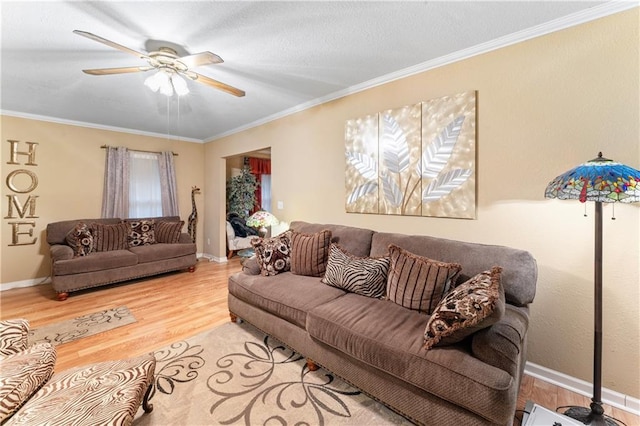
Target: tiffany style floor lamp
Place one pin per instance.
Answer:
(603, 181)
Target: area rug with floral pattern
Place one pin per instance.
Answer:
(236, 375)
(82, 326)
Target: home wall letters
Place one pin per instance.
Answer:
(22, 181)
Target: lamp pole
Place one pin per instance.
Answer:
(597, 412)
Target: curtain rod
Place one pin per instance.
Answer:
(141, 150)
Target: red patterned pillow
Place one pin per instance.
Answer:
(168, 232)
(273, 253)
(417, 282)
(80, 239)
(310, 253)
(472, 306)
(109, 237)
(142, 232)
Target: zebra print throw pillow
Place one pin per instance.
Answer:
(362, 275)
(417, 282)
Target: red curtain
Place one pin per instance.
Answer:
(259, 167)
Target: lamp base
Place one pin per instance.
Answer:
(591, 416)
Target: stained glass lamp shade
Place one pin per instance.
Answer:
(603, 181)
(261, 219)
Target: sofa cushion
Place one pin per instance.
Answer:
(356, 241)
(80, 239)
(362, 275)
(160, 251)
(106, 393)
(141, 232)
(95, 262)
(470, 307)
(273, 254)
(250, 266)
(389, 337)
(288, 296)
(14, 336)
(519, 273)
(22, 374)
(500, 344)
(309, 253)
(168, 232)
(417, 282)
(109, 237)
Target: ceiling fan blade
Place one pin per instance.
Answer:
(107, 71)
(202, 58)
(214, 83)
(111, 44)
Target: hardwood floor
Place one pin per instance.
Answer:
(176, 306)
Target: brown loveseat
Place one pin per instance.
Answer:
(72, 272)
(378, 345)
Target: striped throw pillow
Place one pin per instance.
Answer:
(109, 237)
(417, 282)
(366, 276)
(309, 253)
(168, 232)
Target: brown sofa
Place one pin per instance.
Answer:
(377, 345)
(72, 273)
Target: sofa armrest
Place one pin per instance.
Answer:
(185, 238)
(501, 344)
(61, 252)
(14, 336)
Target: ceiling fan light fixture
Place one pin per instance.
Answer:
(179, 85)
(155, 81)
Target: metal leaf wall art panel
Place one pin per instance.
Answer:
(361, 155)
(415, 160)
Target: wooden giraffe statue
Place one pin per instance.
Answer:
(193, 217)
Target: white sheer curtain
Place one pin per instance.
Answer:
(139, 184)
(115, 195)
(145, 192)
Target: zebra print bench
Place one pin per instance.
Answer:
(106, 393)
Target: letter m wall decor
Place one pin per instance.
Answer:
(417, 160)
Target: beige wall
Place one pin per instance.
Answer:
(544, 106)
(70, 171)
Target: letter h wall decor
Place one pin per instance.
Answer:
(417, 160)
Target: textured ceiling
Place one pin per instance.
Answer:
(285, 55)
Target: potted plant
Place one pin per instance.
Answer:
(241, 193)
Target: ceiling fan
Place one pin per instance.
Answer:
(170, 67)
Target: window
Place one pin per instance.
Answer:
(139, 184)
(265, 192)
(145, 192)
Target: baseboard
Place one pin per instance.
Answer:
(25, 283)
(611, 397)
(212, 258)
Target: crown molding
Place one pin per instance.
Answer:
(575, 19)
(96, 126)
